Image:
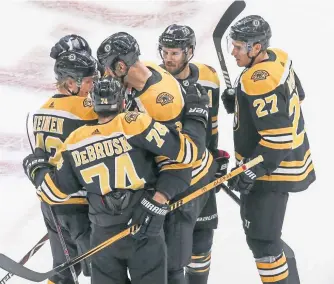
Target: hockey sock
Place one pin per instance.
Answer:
(273, 269)
(197, 272)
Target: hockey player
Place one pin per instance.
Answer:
(156, 92)
(176, 47)
(52, 123)
(114, 162)
(268, 121)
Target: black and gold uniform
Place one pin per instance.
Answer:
(198, 269)
(113, 158)
(268, 121)
(177, 46)
(52, 124)
(162, 98)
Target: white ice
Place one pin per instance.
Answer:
(303, 29)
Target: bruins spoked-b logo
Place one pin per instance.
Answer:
(259, 75)
(87, 102)
(164, 98)
(131, 116)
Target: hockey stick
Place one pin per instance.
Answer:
(225, 21)
(63, 244)
(25, 259)
(11, 266)
(55, 221)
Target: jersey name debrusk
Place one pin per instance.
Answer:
(119, 147)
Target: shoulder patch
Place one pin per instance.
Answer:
(131, 116)
(260, 75)
(164, 98)
(87, 102)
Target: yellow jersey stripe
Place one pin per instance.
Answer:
(276, 146)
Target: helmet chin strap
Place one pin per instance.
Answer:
(122, 77)
(252, 58)
(73, 93)
(78, 83)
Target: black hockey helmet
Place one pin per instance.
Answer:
(107, 96)
(178, 36)
(75, 65)
(118, 47)
(71, 42)
(252, 29)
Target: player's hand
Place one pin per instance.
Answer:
(197, 103)
(33, 163)
(222, 159)
(150, 214)
(244, 181)
(228, 98)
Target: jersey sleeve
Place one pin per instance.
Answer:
(60, 183)
(270, 113)
(166, 141)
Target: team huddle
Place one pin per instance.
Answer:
(123, 139)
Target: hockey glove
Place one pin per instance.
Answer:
(150, 215)
(244, 182)
(222, 158)
(33, 163)
(228, 98)
(197, 104)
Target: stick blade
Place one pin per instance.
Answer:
(18, 269)
(228, 17)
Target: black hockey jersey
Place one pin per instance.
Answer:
(208, 78)
(55, 121)
(162, 99)
(268, 121)
(116, 155)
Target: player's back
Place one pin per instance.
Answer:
(55, 121)
(114, 156)
(57, 118)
